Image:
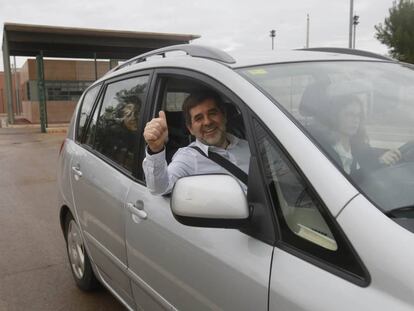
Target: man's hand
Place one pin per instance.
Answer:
(156, 132)
(390, 157)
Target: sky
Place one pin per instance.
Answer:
(231, 25)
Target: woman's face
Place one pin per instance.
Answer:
(349, 119)
(130, 120)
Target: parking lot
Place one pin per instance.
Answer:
(34, 271)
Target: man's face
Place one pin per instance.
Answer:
(208, 124)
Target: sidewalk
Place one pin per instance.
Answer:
(53, 128)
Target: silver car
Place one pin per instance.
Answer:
(326, 223)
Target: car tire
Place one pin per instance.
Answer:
(80, 264)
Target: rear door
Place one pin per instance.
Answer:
(102, 173)
(189, 268)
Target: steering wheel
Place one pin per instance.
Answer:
(407, 151)
(391, 186)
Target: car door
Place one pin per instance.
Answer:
(102, 173)
(173, 266)
(314, 265)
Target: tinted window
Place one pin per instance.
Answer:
(85, 111)
(119, 120)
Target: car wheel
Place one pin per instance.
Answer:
(78, 258)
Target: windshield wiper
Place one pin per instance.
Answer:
(401, 212)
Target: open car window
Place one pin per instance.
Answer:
(173, 92)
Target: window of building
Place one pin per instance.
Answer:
(58, 90)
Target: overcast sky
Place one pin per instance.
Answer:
(226, 24)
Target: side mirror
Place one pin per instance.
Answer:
(209, 201)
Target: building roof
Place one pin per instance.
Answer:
(29, 40)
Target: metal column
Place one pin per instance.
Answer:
(96, 67)
(7, 79)
(41, 92)
(16, 88)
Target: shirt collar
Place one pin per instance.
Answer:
(205, 148)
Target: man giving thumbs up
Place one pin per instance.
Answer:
(206, 120)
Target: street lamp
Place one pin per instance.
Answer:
(355, 23)
(273, 35)
(351, 14)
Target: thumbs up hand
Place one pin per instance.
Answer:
(156, 132)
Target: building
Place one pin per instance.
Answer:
(65, 80)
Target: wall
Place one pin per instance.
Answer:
(57, 111)
(58, 70)
(3, 95)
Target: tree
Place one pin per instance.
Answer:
(397, 32)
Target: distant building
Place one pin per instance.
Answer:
(65, 81)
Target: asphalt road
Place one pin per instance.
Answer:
(34, 271)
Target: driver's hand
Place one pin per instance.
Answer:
(390, 157)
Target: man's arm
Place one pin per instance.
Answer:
(161, 177)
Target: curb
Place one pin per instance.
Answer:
(55, 130)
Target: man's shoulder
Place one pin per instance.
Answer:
(187, 150)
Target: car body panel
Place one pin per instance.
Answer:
(386, 249)
(99, 196)
(195, 268)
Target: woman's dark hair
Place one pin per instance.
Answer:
(196, 98)
(340, 102)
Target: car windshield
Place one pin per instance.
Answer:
(361, 115)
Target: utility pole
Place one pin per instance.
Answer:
(351, 21)
(307, 32)
(355, 23)
(273, 35)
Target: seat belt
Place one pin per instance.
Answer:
(226, 164)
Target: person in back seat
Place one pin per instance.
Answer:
(206, 120)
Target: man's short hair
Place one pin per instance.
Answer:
(196, 98)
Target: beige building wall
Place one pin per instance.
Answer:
(66, 70)
(57, 111)
(57, 70)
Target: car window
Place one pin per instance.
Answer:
(296, 206)
(171, 98)
(361, 115)
(305, 225)
(119, 120)
(85, 110)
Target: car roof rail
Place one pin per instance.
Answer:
(348, 51)
(193, 50)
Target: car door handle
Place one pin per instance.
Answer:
(77, 171)
(137, 209)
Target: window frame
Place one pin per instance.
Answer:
(136, 173)
(80, 140)
(262, 226)
(314, 257)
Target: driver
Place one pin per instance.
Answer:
(349, 140)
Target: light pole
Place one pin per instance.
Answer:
(355, 23)
(307, 32)
(351, 20)
(273, 35)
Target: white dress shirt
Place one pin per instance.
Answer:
(187, 161)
